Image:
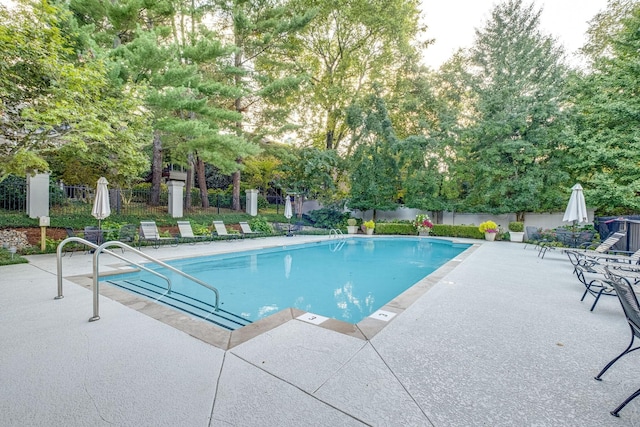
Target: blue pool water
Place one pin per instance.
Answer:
(346, 280)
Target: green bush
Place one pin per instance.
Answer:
(327, 218)
(395, 228)
(260, 224)
(7, 259)
(263, 203)
(516, 226)
(465, 231)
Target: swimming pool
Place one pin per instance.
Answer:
(347, 280)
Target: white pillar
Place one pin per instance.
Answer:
(176, 204)
(252, 202)
(38, 195)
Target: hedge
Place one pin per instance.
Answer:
(440, 230)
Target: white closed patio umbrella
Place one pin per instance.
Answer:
(576, 211)
(288, 213)
(101, 208)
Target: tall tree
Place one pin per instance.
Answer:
(375, 183)
(349, 45)
(606, 155)
(55, 95)
(166, 50)
(520, 130)
(258, 29)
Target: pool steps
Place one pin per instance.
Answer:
(184, 303)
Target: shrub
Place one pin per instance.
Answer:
(516, 226)
(260, 224)
(369, 224)
(7, 259)
(395, 228)
(466, 231)
(326, 218)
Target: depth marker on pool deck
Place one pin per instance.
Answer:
(312, 318)
(383, 315)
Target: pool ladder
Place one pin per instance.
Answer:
(96, 269)
(334, 232)
(337, 233)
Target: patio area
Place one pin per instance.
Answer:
(502, 339)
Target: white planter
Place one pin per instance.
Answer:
(516, 236)
(424, 233)
(352, 229)
(369, 231)
(490, 236)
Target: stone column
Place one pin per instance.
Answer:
(38, 195)
(176, 203)
(252, 202)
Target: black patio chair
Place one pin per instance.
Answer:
(631, 309)
(533, 235)
(127, 234)
(92, 235)
(71, 247)
(592, 279)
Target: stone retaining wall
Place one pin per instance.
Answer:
(15, 238)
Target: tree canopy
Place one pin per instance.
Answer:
(335, 95)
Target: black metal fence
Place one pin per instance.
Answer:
(13, 194)
(67, 200)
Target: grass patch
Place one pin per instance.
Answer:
(7, 259)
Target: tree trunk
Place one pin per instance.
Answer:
(188, 202)
(237, 61)
(202, 183)
(329, 139)
(156, 170)
(236, 191)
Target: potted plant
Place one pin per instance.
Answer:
(423, 224)
(352, 227)
(369, 226)
(516, 231)
(490, 229)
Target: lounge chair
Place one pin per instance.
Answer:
(602, 248)
(149, 232)
(607, 243)
(221, 231)
(592, 278)
(631, 308)
(246, 230)
(633, 258)
(186, 233)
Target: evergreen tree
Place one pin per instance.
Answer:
(520, 130)
(258, 30)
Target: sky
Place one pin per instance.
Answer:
(452, 23)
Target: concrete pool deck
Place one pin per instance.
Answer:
(502, 339)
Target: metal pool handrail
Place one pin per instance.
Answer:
(96, 273)
(94, 246)
(102, 248)
(338, 233)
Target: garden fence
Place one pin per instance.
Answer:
(65, 200)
